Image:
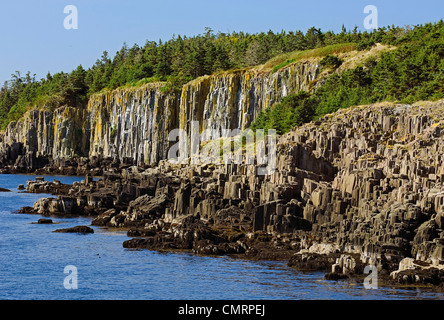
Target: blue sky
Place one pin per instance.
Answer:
(33, 36)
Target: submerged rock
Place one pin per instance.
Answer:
(45, 221)
(27, 210)
(78, 229)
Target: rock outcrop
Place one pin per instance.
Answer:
(386, 199)
(361, 187)
(41, 136)
(77, 229)
(132, 125)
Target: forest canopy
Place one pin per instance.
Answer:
(414, 71)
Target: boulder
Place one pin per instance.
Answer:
(77, 229)
(44, 221)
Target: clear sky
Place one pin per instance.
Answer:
(33, 37)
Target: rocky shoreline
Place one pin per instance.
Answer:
(147, 227)
(362, 187)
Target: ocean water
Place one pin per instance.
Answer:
(33, 260)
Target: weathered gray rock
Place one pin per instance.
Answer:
(132, 125)
(366, 181)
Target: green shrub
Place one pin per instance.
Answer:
(293, 110)
(113, 133)
(365, 45)
(331, 61)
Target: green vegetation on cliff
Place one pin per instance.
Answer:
(285, 59)
(413, 71)
(23, 92)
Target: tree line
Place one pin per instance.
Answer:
(183, 58)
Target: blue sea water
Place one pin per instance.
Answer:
(33, 260)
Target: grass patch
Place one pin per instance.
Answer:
(139, 83)
(285, 59)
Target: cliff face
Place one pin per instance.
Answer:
(386, 201)
(41, 135)
(232, 100)
(132, 124)
(364, 185)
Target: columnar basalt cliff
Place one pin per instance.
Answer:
(131, 125)
(232, 100)
(41, 136)
(386, 201)
(361, 187)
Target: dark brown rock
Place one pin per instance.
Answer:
(77, 229)
(44, 221)
(312, 261)
(335, 276)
